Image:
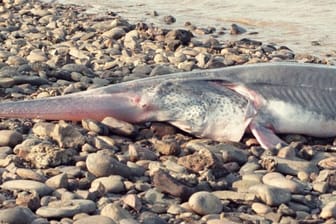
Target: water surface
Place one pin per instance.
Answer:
(305, 26)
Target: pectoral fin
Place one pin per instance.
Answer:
(265, 136)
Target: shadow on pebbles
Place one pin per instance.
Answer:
(115, 172)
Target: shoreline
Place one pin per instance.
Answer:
(115, 172)
(304, 31)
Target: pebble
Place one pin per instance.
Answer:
(115, 212)
(30, 174)
(10, 138)
(272, 196)
(58, 181)
(278, 180)
(118, 126)
(205, 203)
(42, 154)
(27, 185)
(235, 29)
(133, 201)
(167, 184)
(61, 209)
(112, 184)
(17, 215)
(95, 219)
(109, 166)
(166, 147)
(289, 166)
(169, 19)
(260, 208)
(67, 136)
(232, 195)
(200, 160)
(329, 210)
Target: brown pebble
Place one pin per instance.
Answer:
(161, 129)
(169, 147)
(133, 201)
(200, 160)
(167, 184)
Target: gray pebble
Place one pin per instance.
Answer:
(92, 125)
(98, 219)
(77, 68)
(10, 138)
(115, 212)
(6, 82)
(60, 209)
(205, 203)
(271, 195)
(278, 180)
(118, 126)
(292, 167)
(108, 166)
(169, 19)
(244, 185)
(151, 218)
(128, 221)
(112, 184)
(17, 215)
(30, 174)
(233, 195)
(28, 185)
(58, 181)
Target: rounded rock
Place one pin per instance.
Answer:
(109, 166)
(58, 181)
(205, 203)
(95, 219)
(112, 184)
(28, 185)
(17, 215)
(10, 138)
(61, 209)
(260, 208)
(115, 212)
(329, 210)
(118, 127)
(272, 196)
(278, 180)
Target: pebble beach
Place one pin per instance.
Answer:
(111, 171)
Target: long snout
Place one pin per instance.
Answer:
(92, 104)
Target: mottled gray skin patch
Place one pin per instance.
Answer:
(199, 106)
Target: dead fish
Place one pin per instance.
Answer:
(220, 104)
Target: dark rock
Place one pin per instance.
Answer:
(235, 29)
(169, 19)
(167, 184)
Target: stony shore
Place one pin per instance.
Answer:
(115, 172)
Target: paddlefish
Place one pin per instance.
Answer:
(220, 104)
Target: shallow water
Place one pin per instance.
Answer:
(295, 24)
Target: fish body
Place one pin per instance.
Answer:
(221, 104)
